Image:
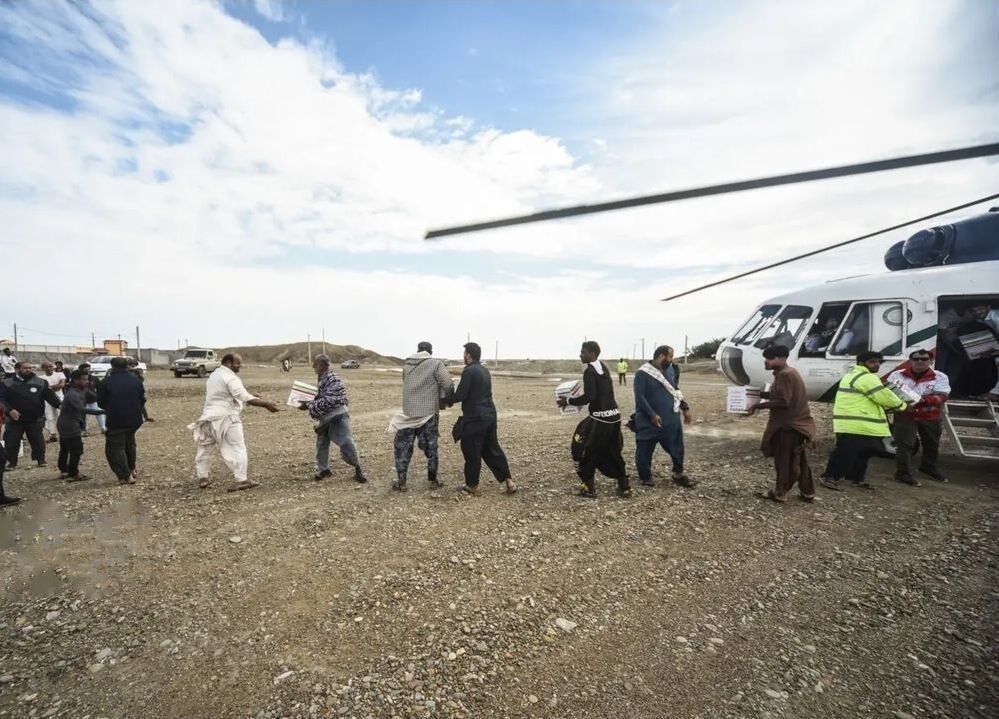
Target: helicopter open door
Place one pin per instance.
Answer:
(879, 325)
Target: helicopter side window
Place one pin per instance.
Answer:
(785, 328)
(878, 326)
(745, 334)
(821, 333)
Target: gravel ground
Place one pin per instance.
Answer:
(306, 599)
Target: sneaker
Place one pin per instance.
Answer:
(435, 483)
(587, 491)
(684, 481)
(129, 480)
(830, 483)
(862, 483)
(907, 479)
(624, 493)
(647, 482)
(473, 491)
(6, 500)
(319, 476)
(43, 463)
(399, 486)
(933, 474)
(359, 476)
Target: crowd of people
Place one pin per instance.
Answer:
(53, 406)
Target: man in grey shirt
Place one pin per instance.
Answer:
(426, 384)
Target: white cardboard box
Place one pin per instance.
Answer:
(740, 399)
(301, 392)
(980, 344)
(573, 388)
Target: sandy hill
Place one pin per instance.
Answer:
(298, 352)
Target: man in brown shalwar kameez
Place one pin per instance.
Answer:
(790, 427)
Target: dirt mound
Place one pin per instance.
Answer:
(298, 353)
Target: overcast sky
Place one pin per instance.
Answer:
(248, 173)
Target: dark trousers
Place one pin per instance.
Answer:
(3, 467)
(119, 448)
(671, 440)
(14, 431)
(850, 456)
(596, 446)
(791, 463)
(426, 438)
(622, 378)
(479, 444)
(70, 451)
(905, 431)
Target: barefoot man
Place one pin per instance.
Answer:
(221, 424)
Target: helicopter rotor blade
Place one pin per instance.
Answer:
(831, 247)
(862, 168)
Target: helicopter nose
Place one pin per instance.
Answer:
(730, 361)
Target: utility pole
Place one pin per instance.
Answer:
(15, 338)
(686, 351)
(138, 344)
(187, 342)
(93, 340)
(643, 348)
(496, 356)
(634, 348)
(308, 345)
(324, 340)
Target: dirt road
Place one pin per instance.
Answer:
(330, 599)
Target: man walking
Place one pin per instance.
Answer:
(426, 385)
(597, 441)
(790, 427)
(23, 398)
(221, 424)
(94, 384)
(622, 371)
(659, 406)
(478, 435)
(5, 499)
(72, 418)
(859, 422)
(57, 381)
(332, 419)
(921, 420)
(8, 364)
(121, 395)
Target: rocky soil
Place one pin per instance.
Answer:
(330, 599)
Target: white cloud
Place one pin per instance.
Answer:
(273, 10)
(242, 149)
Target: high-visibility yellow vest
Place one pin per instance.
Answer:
(622, 367)
(861, 401)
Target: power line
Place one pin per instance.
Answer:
(832, 247)
(862, 168)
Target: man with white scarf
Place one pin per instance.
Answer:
(221, 424)
(659, 406)
(426, 385)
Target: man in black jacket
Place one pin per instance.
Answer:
(23, 399)
(122, 396)
(478, 434)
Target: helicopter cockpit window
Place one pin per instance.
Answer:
(752, 327)
(822, 331)
(878, 326)
(785, 328)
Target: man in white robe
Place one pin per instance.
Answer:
(221, 425)
(57, 381)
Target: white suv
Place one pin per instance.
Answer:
(101, 365)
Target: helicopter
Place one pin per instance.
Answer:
(934, 278)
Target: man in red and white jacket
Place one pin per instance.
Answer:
(921, 420)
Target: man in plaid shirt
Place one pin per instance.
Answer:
(329, 412)
(425, 385)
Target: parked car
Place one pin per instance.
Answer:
(196, 361)
(100, 365)
(350, 364)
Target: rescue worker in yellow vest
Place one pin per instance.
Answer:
(859, 422)
(622, 371)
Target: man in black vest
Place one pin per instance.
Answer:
(23, 399)
(123, 397)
